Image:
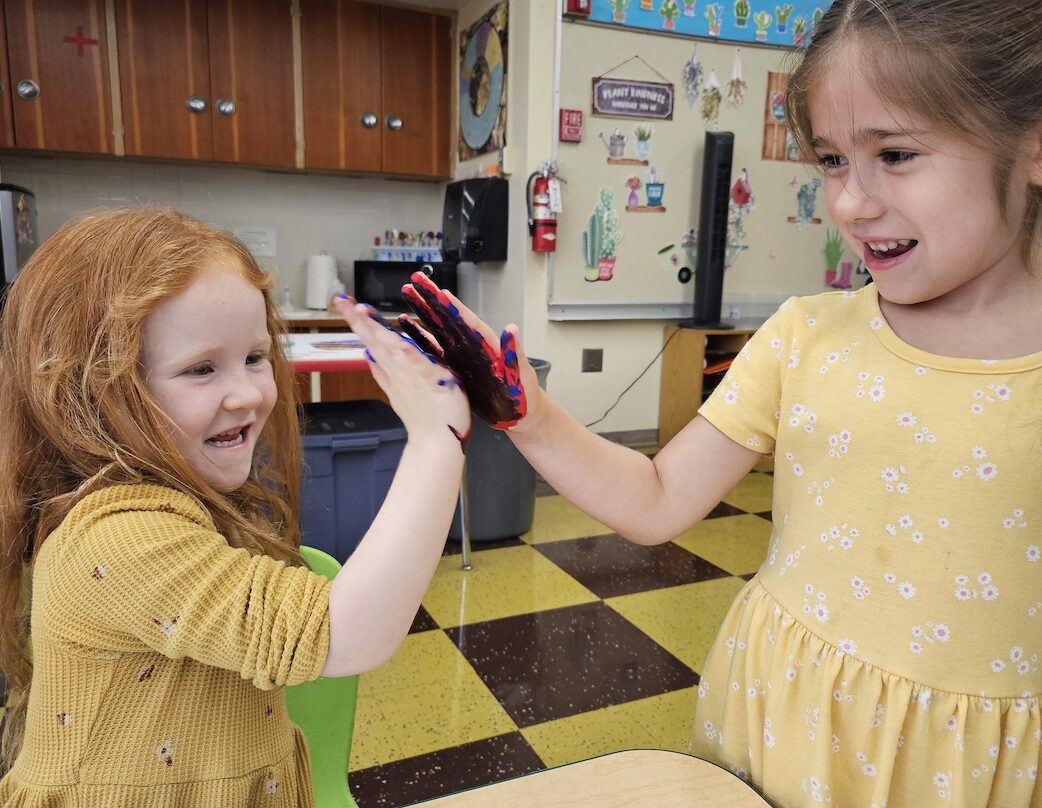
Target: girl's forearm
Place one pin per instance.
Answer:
(375, 596)
(612, 483)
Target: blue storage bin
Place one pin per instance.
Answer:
(351, 451)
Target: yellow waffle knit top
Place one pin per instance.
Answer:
(159, 655)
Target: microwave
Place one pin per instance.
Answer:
(379, 283)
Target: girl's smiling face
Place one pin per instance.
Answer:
(205, 361)
(918, 205)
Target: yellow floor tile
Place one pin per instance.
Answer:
(658, 722)
(753, 493)
(372, 742)
(426, 698)
(737, 544)
(503, 582)
(556, 518)
(682, 619)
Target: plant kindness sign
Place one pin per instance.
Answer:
(627, 98)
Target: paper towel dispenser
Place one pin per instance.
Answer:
(474, 220)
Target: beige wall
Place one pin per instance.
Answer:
(341, 214)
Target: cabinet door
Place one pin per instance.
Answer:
(340, 43)
(59, 63)
(251, 78)
(416, 90)
(6, 114)
(164, 77)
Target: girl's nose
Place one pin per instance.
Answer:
(854, 199)
(243, 393)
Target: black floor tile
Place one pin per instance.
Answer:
(406, 782)
(723, 509)
(610, 566)
(561, 662)
(422, 621)
(454, 547)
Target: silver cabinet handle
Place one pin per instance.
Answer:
(369, 119)
(226, 107)
(28, 89)
(394, 123)
(195, 104)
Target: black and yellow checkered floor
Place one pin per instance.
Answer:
(562, 644)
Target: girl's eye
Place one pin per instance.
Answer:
(256, 357)
(895, 157)
(200, 370)
(830, 161)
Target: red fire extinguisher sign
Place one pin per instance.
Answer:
(578, 8)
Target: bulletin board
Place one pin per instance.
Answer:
(760, 22)
(648, 231)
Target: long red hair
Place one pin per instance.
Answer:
(77, 415)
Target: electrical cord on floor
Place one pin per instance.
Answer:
(630, 386)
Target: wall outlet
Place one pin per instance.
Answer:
(734, 313)
(593, 360)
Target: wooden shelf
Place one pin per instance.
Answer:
(683, 378)
(626, 161)
(646, 209)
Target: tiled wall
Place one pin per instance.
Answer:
(310, 213)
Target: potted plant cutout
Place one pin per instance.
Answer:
(633, 183)
(601, 238)
(783, 13)
(618, 10)
(642, 143)
(799, 31)
(714, 13)
(833, 250)
(711, 98)
(763, 22)
(654, 188)
(741, 13)
(689, 8)
(669, 11)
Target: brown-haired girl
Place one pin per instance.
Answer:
(889, 650)
(151, 473)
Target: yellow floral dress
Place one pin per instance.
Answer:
(887, 652)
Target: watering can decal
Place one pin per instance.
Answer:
(616, 143)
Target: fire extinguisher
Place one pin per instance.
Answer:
(542, 219)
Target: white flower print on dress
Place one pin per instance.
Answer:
(271, 785)
(842, 536)
(985, 471)
(995, 393)
(840, 356)
(800, 416)
(64, 719)
(167, 625)
(859, 589)
(1033, 553)
(817, 490)
(876, 391)
(814, 604)
(1021, 662)
(839, 444)
(906, 420)
(818, 790)
(934, 632)
(1015, 519)
(892, 482)
(729, 392)
(984, 587)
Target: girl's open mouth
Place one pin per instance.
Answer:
(890, 249)
(228, 440)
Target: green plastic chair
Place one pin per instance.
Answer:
(325, 712)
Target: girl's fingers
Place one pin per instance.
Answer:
(473, 322)
(420, 336)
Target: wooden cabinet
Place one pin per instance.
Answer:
(377, 88)
(6, 113)
(57, 52)
(685, 385)
(208, 80)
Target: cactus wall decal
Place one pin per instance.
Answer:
(601, 238)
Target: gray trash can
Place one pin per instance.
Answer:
(500, 482)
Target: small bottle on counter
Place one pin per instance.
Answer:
(285, 299)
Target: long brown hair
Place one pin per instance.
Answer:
(78, 417)
(971, 68)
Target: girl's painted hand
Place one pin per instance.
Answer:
(491, 378)
(424, 393)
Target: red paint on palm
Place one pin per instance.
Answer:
(491, 379)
